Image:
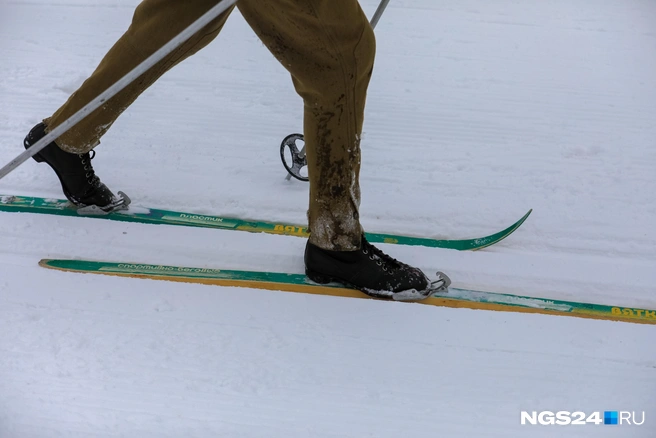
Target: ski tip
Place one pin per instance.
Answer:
(496, 238)
(523, 219)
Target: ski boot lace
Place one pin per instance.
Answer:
(88, 168)
(383, 260)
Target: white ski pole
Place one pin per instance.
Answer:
(153, 59)
(374, 20)
(379, 12)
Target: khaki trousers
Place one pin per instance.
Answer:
(328, 48)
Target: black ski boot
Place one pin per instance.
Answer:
(371, 271)
(78, 180)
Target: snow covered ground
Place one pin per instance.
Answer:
(477, 111)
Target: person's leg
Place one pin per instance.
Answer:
(328, 47)
(154, 24)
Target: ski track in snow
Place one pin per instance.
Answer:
(476, 112)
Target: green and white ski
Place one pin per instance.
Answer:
(454, 297)
(62, 207)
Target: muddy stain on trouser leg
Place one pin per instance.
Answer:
(335, 194)
(155, 23)
(328, 46)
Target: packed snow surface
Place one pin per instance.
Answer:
(477, 112)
